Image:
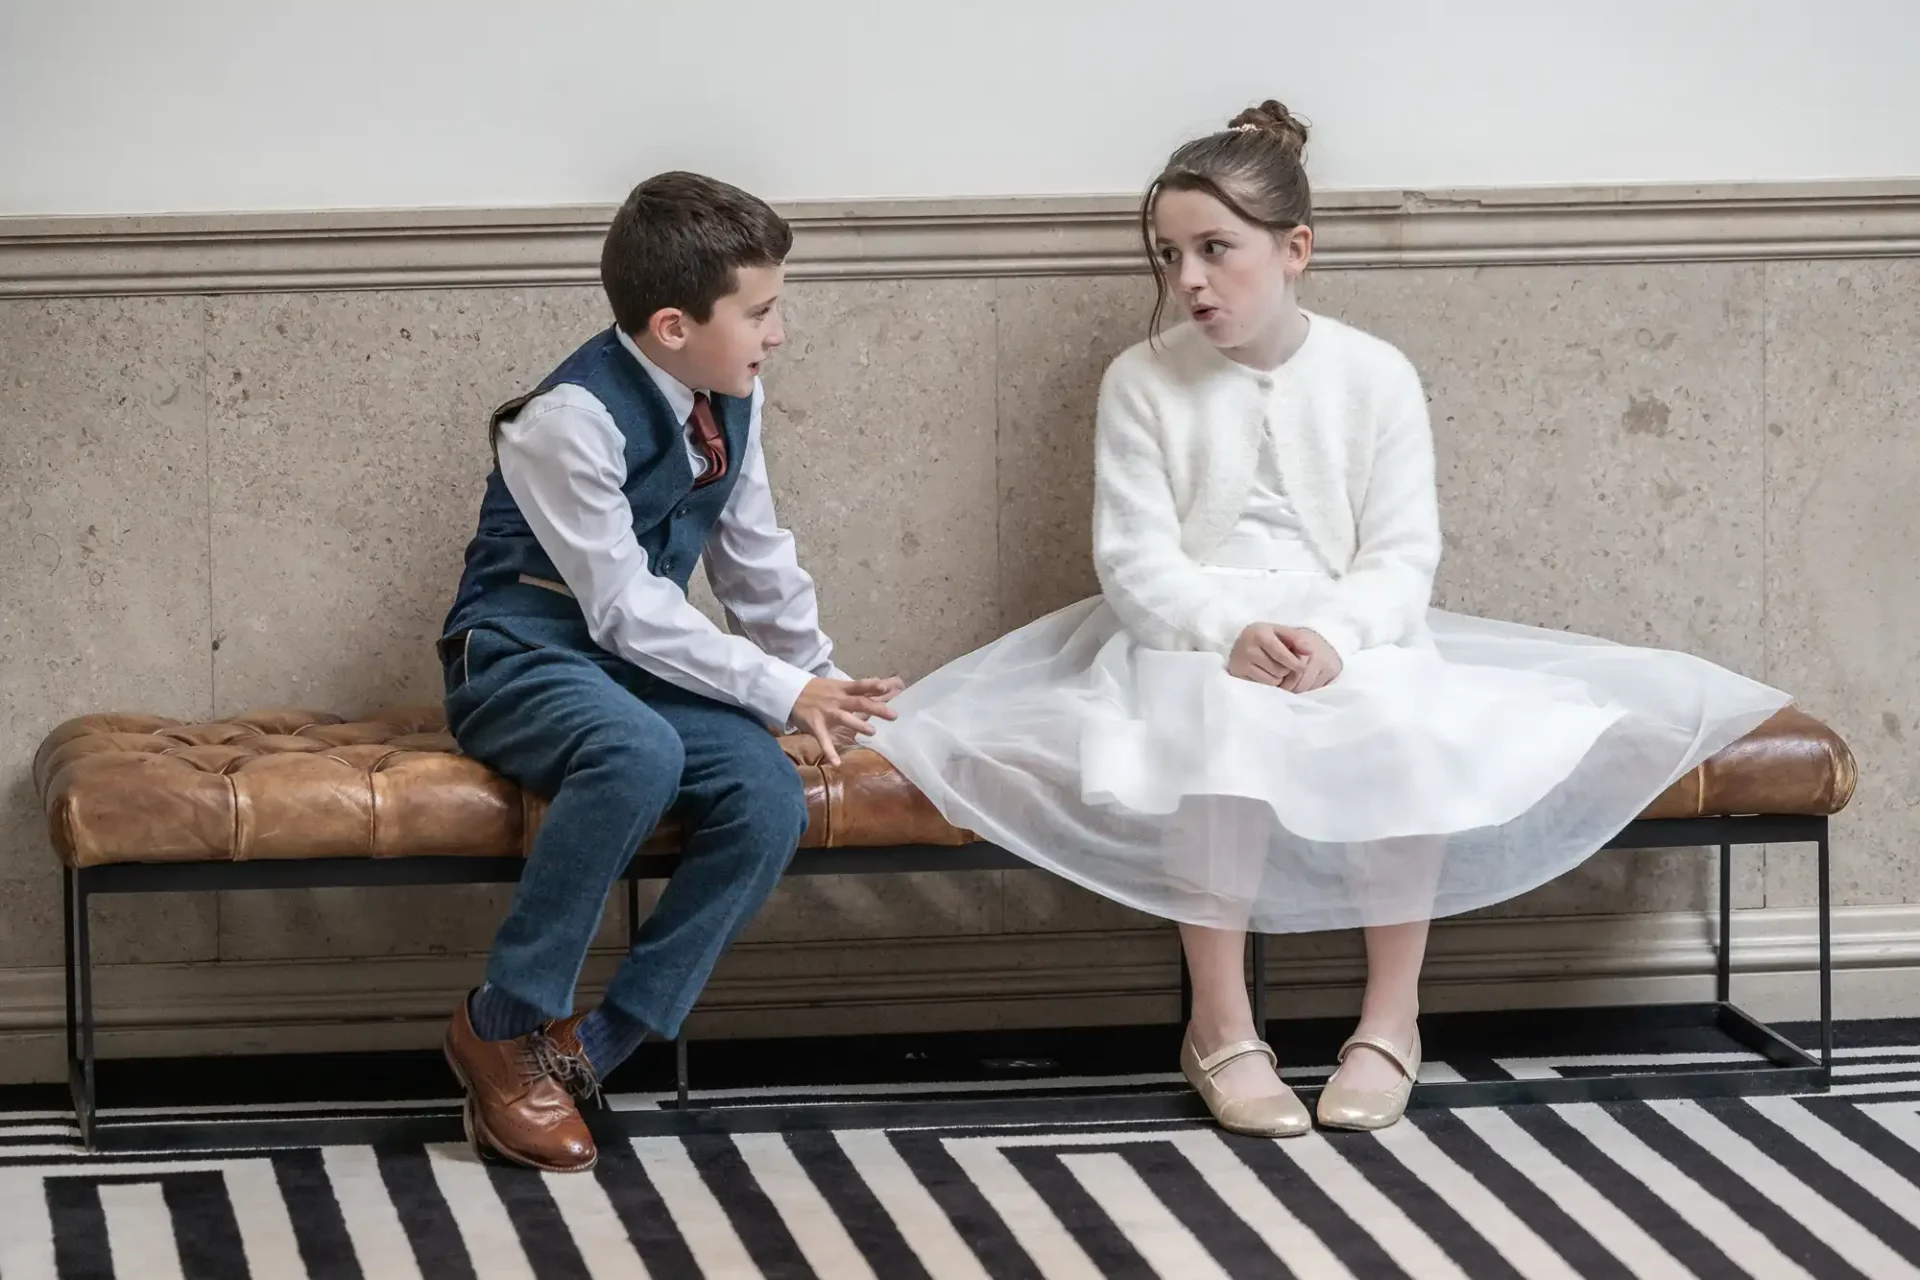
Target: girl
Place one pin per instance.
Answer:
(1260, 723)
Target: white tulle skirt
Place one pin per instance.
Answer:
(1422, 782)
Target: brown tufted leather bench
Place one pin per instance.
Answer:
(285, 798)
(292, 784)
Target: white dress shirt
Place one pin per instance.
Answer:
(563, 460)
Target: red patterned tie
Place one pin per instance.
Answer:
(712, 443)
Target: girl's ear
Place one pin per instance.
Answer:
(1296, 250)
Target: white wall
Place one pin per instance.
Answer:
(117, 106)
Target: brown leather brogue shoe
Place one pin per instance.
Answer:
(517, 1107)
(567, 1059)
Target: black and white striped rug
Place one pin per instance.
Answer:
(1765, 1187)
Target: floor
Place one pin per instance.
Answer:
(1074, 1154)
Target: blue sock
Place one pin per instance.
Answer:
(497, 1015)
(609, 1038)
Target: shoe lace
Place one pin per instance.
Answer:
(575, 1073)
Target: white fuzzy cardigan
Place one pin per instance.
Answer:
(1176, 445)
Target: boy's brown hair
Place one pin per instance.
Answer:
(677, 241)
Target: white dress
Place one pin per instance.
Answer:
(1471, 763)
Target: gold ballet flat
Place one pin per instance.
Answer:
(1280, 1115)
(1343, 1108)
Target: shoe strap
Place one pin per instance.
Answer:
(1379, 1044)
(1238, 1049)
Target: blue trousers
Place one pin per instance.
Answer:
(615, 750)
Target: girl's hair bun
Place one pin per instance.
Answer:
(1273, 119)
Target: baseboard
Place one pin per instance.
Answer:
(823, 988)
(902, 239)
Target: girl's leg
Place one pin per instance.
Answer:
(1222, 1014)
(1395, 879)
(1391, 1005)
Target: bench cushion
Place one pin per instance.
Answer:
(307, 784)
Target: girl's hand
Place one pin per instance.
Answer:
(1319, 665)
(1264, 657)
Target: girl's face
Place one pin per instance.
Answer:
(1235, 278)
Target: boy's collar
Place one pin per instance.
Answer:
(679, 395)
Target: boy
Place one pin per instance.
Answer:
(576, 667)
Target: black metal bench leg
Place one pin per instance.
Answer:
(1723, 971)
(1186, 984)
(80, 1073)
(1826, 957)
(680, 1040)
(1260, 985)
(72, 971)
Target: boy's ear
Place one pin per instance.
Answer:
(669, 326)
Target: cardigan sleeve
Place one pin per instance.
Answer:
(1386, 591)
(1158, 591)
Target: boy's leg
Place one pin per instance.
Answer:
(557, 724)
(744, 812)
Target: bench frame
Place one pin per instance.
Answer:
(1785, 1067)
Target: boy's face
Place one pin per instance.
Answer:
(724, 354)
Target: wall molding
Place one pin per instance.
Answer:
(998, 980)
(906, 239)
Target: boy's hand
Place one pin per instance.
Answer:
(889, 686)
(1320, 665)
(839, 712)
(1262, 656)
